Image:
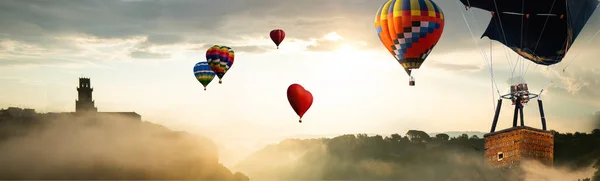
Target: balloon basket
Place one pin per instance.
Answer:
(411, 83)
(205, 89)
(300, 121)
(220, 82)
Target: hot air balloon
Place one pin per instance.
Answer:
(203, 73)
(409, 29)
(540, 32)
(300, 99)
(220, 59)
(277, 35)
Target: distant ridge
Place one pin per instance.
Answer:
(458, 133)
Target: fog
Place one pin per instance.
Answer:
(300, 160)
(105, 147)
(65, 146)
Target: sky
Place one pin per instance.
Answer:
(140, 55)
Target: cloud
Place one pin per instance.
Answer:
(330, 42)
(191, 23)
(324, 46)
(65, 52)
(252, 48)
(37, 61)
(580, 81)
(455, 67)
(164, 39)
(148, 55)
(178, 20)
(24, 81)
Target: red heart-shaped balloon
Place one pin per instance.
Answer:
(300, 99)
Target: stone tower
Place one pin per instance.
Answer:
(85, 103)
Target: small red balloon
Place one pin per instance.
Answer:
(277, 35)
(300, 99)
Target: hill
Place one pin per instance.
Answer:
(453, 134)
(413, 157)
(91, 147)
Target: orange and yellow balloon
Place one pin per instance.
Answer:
(409, 29)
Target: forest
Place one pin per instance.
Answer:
(65, 146)
(415, 156)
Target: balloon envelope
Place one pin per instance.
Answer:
(547, 36)
(300, 99)
(220, 59)
(203, 73)
(277, 35)
(409, 29)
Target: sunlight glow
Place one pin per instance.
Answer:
(346, 50)
(333, 36)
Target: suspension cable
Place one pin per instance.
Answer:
(485, 60)
(503, 33)
(506, 51)
(492, 77)
(542, 91)
(553, 65)
(544, 27)
(481, 49)
(589, 42)
(552, 69)
(521, 42)
(500, 19)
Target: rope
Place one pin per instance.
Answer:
(506, 50)
(543, 28)
(521, 43)
(540, 94)
(499, 19)
(503, 33)
(589, 42)
(553, 65)
(483, 54)
(476, 44)
(553, 72)
(492, 77)
(512, 75)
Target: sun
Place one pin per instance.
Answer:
(346, 50)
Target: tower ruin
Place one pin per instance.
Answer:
(84, 102)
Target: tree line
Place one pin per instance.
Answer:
(415, 156)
